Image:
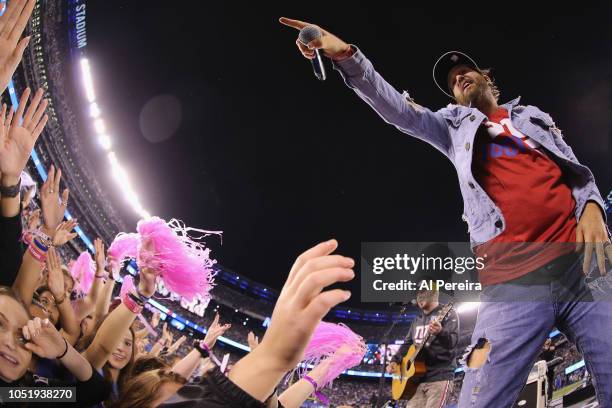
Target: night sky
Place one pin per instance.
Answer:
(279, 161)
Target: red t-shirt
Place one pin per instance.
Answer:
(528, 188)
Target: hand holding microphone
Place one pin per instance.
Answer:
(313, 38)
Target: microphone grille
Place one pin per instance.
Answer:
(309, 33)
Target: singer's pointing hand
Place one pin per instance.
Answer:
(328, 43)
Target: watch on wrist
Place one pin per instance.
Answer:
(10, 191)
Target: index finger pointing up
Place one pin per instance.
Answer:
(297, 24)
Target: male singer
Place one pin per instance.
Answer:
(521, 183)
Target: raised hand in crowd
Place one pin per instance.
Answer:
(175, 346)
(155, 319)
(298, 392)
(215, 330)
(252, 340)
(12, 25)
(53, 208)
(100, 256)
(33, 260)
(167, 335)
(55, 282)
(117, 324)
(88, 304)
(164, 340)
(18, 134)
(63, 233)
(300, 307)
(45, 341)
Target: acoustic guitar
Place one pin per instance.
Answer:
(410, 372)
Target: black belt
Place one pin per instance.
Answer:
(553, 270)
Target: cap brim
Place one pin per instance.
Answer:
(445, 64)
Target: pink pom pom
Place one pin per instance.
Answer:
(338, 345)
(126, 286)
(83, 271)
(123, 246)
(184, 264)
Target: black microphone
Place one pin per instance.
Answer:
(308, 34)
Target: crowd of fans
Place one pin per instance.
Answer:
(55, 330)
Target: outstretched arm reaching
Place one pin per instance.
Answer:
(360, 75)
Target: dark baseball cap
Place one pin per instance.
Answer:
(445, 64)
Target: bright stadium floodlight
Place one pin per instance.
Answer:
(87, 80)
(100, 126)
(467, 307)
(105, 142)
(122, 179)
(94, 110)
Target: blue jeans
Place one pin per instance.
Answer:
(515, 319)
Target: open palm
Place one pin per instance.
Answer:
(17, 137)
(12, 25)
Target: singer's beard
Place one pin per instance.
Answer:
(475, 95)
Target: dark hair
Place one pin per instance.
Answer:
(141, 390)
(147, 363)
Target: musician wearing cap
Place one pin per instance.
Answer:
(437, 336)
(521, 183)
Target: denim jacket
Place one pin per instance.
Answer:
(452, 130)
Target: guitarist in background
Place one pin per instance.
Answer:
(439, 354)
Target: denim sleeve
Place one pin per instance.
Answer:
(594, 195)
(359, 74)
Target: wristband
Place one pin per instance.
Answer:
(10, 191)
(143, 298)
(206, 352)
(136, 299)
(131, 305)
(317, 394)
(203, 349)
(61, 301)
(36, 253)
(40, 245)
(65, 351)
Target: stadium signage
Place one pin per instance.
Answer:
(78, 23)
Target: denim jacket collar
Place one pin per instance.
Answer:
(509, 106)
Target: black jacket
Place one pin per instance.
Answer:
(215, 390)
(11, 249)
(439, 356)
